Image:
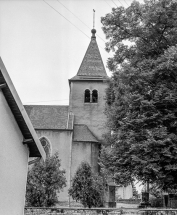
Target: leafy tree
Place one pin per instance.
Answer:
(150, 27)
(142, 93)
(87, 187)
(45, 180)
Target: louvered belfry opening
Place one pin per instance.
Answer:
(87, 96)
(94, 96)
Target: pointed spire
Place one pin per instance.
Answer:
(92, 66)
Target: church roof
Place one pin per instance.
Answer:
(83, 134)
(58, 117)
(50, 117)
(92, 66)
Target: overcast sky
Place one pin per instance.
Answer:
(43, 42)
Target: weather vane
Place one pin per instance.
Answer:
(93, 19)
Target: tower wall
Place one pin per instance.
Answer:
(90, 114)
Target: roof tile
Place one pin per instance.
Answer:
(83, 134)
(48, 117)
(92, 65)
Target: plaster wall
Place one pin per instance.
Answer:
(124, 192)
(91, 114)
(94, 157)
(82, 151)
(60, 142)
(13, 163)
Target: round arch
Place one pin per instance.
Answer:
(94, 96)
(46, 145)
(87, 96)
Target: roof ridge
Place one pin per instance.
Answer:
(92, 133)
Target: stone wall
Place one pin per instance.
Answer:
(107, 211)
(56, 211)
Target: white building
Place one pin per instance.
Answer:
(18, 142)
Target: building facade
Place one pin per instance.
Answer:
(18, 142)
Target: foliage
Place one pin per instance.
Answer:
(155, 192)
(44, 182)
(87, 187)
(156, 203)
(142, 93)
(135, 192)
(150, 27)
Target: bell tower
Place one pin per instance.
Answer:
(87, 90)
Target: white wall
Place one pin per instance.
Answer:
(13, 163)
(124, 192)
(80, 152)
(61, 142)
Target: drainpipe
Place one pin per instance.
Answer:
(70, 154)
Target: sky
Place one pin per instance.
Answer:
(43, 42)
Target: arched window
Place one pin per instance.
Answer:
(87, 96)
(46, 145)
(94, 96)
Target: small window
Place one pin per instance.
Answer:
(46, 145)
(94, 96)
(87, 96)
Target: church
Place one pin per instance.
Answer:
(76, 130)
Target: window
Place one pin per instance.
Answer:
(87, 96)
(46, 145)
(94, 96)
(91, 97)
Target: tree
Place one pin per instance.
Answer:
(87, 187)
(142, 93)
(150, 27)
(45, 180)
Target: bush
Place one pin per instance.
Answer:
(87, 187)
(44, 182)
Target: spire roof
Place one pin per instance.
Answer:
(92, 66)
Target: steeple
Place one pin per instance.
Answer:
(92, 66)
(87, 91)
